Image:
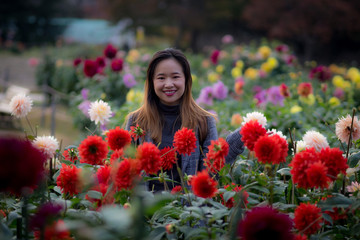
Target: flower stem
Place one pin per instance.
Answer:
(32, 130)
(348, 146)
(182, 181)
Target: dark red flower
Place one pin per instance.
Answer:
(55, 231)
(136, 132)
(168, 158)
(100, 62)
(265, 223)
(334, 161)
(316, 175)
(103, 174)
(116, 156)
(76, 62)
(234, 188)
(215, 56)
(110, 51)
(282, 48)
(185, 141)
(93, 150)
(176, 189)
(250, 133)
(284, 90)
(203, 185)
(305, 89)
(90, 68)
(215, 157)
(21, 165)
(307, 218)
(300, 164)
(322, 73)
(149, 157)
(118, 138)
(117, 64)
(70, 155)
(126, 173)
(300, 237)
(107, 196)
(46, 214)
(69, 179)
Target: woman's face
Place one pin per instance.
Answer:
(169, 81)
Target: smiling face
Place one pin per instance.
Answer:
(169, 81)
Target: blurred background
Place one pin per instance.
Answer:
(40, 34)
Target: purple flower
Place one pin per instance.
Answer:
(339, 93)
(257, 89)
(84, 107)
(274, 96)
(220, 91)
(85, 93)
(45, 215)
(206, 96)
(129, 80)
(261, 98)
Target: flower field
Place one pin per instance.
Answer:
(298, 177)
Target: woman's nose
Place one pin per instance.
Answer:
(168, 82)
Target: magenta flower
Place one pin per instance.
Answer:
(206, 96)
(322, 73)
(110, 51)
(215, 56)
(220, 91)
(117, 64)
(129, 80)
(274, 96)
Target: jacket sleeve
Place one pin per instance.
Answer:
(236, 146)
(211, 135)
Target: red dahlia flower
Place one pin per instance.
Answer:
(250, 133)
(176, 189)
(126, 172)
(77, 61)
(116, 156)
(267, 149)
(234, 188)
(21, 165)
(284, 90)
(215, 158)
(107, 197)
(70, 155)
(185, 141)
(322, 73)
(316, 175)
(136, 132)
(57, 230)
(168, 158)
(117, 64)
(305, 89)
(149, 156)
(265, 223)
(203, 185)
(103, 174)
(110, 51)
(69, 179)
(118, 138)
(334, 161)
(90, 68)
(215, 56)
(100, 62)
(300, 237)
(300, 164)
(93, 150)
(307, 218)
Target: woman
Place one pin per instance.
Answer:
(169, 106)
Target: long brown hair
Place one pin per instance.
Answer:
(148, 116)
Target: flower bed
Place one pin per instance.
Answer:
(298, 177)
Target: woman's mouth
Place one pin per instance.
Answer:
(169, 92)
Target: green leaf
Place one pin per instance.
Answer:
(94, 194)
(354, 159)
(157, 233)
(284, 172)
(228, 195)
(339, 201)
(195, 233)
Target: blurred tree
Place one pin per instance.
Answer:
(310, 24)
(29, 21)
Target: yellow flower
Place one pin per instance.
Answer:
(264, 51)
(295, 109)
(194, 77)
(309, 100)
(293, 75)
(133, 56)
(130, 95)
(251, 73)
(103, 95)
(134, 96)
(354, 75)
(270, 64)
(220, 68)
(213, 77)
(236, 120)
(266, 67)
(338, 81)
(337, 70)
(239, 64)
(334, 101)
(236, 72)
